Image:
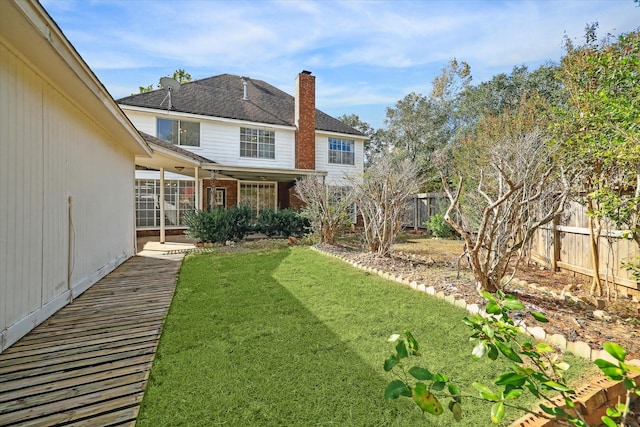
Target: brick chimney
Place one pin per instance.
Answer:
(305, 120)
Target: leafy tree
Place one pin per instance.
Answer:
(374, 146)
(179, 75)
(380, 195)
(416, 128)
(599, 132)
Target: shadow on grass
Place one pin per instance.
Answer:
(290, 337)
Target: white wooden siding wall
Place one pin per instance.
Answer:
(336, 173)
(220, 141)
(50, 151)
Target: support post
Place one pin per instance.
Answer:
(555, 257)
(162, 229)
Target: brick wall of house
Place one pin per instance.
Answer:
(305, 118)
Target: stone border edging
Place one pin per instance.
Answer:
(592, 399)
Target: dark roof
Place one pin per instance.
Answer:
(221, 96)
(149, 139)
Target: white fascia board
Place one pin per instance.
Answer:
(202, 117)
(173, 155)
(341, 135)
(230, 168)
(26, 25)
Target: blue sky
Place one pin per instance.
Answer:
(366, 55)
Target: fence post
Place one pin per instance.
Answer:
(556, 244)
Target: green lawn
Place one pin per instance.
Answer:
(291, 337)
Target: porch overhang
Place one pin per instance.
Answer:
(168, 160)
(244, 173)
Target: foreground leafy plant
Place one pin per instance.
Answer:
(618, 371)
(536, 368)
(422, 386)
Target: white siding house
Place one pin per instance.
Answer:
(256, 140)
(66, 172)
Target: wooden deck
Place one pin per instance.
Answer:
(88, 364)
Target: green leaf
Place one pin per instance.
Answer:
(511, 378)
(629, 383)
(539, 317)
(612, 371)
(493, 352)
(485, 392)
(497, 412)
(425, 400)
(552, 385)
(438, 386)
(456, 410)
(608, 421)
(413, 344)
(488, 296)
(478, 350)
(512, 393)
(441, 377)
(615, 350)
(562, 366)
(508, 352)
(401, 348)
(390, 362)
(612, 412)
(493, 308)
(421, 374)
(488, 331)
(395, 389)
(454, 391)
(513, 304)
(544, 348)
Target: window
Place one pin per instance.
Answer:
(341, 151)
(216, 198)
(257, 143)
(179, 132)
(257, 196)
(179, 198)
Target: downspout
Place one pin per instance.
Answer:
(198, 189)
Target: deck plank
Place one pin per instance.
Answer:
(89, 363)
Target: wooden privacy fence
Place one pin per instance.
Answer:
(421, 207)
(564, 245)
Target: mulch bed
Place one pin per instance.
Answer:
(562, 297)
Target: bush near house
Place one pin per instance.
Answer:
(221, 225)
(439, 226)
(281, 223)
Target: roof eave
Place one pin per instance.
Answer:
(32, 32)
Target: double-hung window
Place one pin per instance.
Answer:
(257, 143)
(179, 132)
(341, 151)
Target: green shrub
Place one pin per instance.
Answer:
(284, 223)
(219, 225)
(439, 227)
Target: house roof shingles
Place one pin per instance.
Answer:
(222, 96)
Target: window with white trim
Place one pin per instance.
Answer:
(179, 132)
(257, 196)
(341, 151)
(179, 199)
(257, 143)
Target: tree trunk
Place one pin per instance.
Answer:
(594, 243)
